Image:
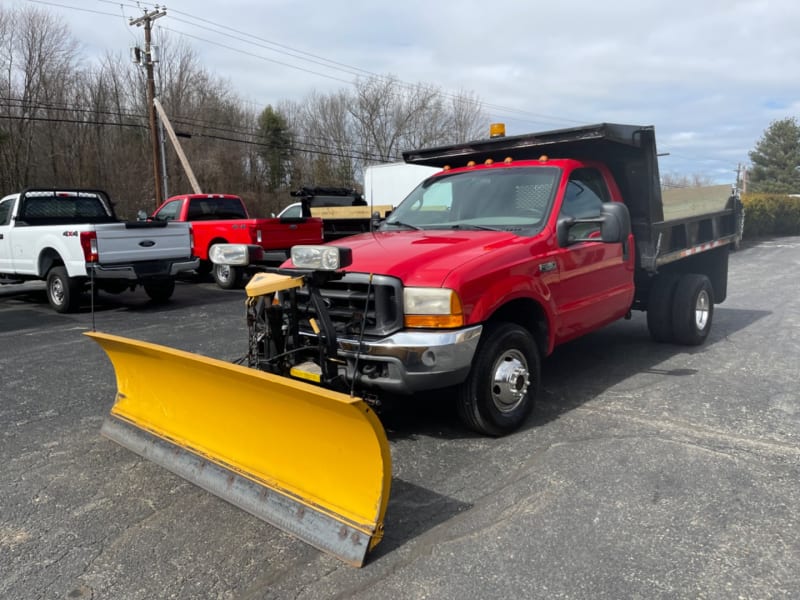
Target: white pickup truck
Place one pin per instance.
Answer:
(73, 240)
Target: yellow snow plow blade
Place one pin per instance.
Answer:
(312, 462)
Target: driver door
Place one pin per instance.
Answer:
(595, 285)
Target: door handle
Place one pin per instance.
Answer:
(546, 267)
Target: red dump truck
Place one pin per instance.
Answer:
(517, 245)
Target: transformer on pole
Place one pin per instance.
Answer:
(150, 58)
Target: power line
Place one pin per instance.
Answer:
(350, 70)
(293, 52)
(304, 141)
(248, 38)
(299, 54)
(89, 10)
(301, 147)
(302, 55)
(272, 60)
(71, 121)
(308, 142)
(192, 122)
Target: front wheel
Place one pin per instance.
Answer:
(503, 383)
(160, 291)
(63, 291)
(227, 277)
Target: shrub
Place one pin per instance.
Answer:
(770, 214)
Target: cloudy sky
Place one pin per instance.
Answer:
(711, 75)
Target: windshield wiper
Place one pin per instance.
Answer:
(474, 226)
(401, 224)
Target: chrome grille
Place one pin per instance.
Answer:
(353, 299)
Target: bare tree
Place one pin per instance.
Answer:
(38, 61)
(341, 133)
(61, 125)
(468, 121)
(119, 141)
(389, 115)
(324, 140)
(676, 180)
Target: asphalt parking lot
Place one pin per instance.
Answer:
(646, 471)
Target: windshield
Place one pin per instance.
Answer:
(293, 211)
(517, 198)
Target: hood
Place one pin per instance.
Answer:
(423, 258)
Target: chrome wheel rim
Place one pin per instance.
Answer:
(223, 272)
(510, 381)
(702, 310)
(57, 291)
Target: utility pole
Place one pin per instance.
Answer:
(146, 20)
(741, 178)
(178, 149)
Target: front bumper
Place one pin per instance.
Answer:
(144, 270)
(411, 361)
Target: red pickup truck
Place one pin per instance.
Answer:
(516, 246)
(223, 218)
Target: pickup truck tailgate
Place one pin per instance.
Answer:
(141, 241)
(285, 233)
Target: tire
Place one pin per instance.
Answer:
(63, 292)
(693, 309)
(160, 291)
(227, 277)
(503, 384)
(204, 268)
(112, 286)
(659, 307)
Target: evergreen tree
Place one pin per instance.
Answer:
(276, 142)
(776, 159)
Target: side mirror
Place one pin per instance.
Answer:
(141, 216)
(562, 231)
(615, 225)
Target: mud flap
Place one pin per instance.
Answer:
(312, 462)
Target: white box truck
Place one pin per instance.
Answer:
(390, 183)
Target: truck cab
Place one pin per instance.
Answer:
(544, 217)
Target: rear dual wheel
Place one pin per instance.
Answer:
(659, 307)
(503, 383)
(680, 308)
(692, 309)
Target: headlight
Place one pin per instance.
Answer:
(235, 254)
(324, 258)
(432, 307)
